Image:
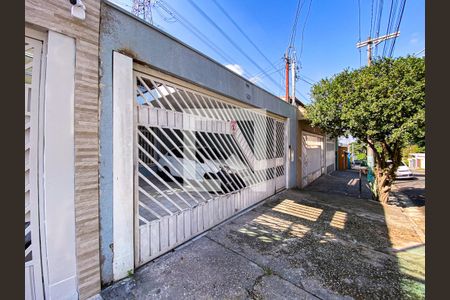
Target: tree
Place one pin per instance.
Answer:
(382, 105)
(359, 150)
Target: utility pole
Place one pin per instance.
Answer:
(370, 43)
(286, 58)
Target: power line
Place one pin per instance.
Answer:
(371, 20)
(269, 68)
(304, 80)
(380, 15)
(294, 25)
(309, 78)
(359, 29)
(388, 27)
(398, 27)
(421, 51)
(243, 33)
(190, 27)
(229, 39)
(303, 30)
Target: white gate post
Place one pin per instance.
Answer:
(59, 169)
(123, 202)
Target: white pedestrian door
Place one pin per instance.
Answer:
(33, 269)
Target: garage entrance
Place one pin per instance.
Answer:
(200, 158)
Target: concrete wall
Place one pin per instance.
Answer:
(122, 32)
(54, 16)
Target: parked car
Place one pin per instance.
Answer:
(200, 164)
(403, 172)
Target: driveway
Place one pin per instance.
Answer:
(296, 245)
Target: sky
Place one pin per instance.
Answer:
(325, 42)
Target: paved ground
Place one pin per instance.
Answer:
(297, 245)
(414, 188)
(411, 195)
(343, 183)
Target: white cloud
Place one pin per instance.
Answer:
(236, 68)
(255, 79)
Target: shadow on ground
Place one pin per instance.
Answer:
(297, 245)
(413, 188)
(342, 183)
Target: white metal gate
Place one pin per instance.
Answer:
(330, 155)
(199, 159)
(313, 160)
(33, 272)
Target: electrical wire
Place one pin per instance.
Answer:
(380, 15)
(359, 30)
(303, 29)
(371, 20)
(230, 39)
(294, 25)
(191, 28)
(243, 33)
(398, 27)
(388, 25)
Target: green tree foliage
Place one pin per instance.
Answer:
(359, 150)
(382, 105)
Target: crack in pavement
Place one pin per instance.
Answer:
(264, 268)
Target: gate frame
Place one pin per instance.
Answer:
(57, 77)
(40, 275)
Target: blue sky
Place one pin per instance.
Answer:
(329, 37)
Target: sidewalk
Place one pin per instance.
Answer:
(297, 245)
(343, 183)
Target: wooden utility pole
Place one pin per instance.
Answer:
(286, 58)
(370, 43)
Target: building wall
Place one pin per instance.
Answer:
(122, 32)
(54, 15)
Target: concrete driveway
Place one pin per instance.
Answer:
(297, 245)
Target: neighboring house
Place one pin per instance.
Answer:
(61, 150)
(316, 150)
(416, 160)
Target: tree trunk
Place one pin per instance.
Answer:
(384, 178)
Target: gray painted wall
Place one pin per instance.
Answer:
(121, 31)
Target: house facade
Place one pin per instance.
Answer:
(317, 151)
(135, 143)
